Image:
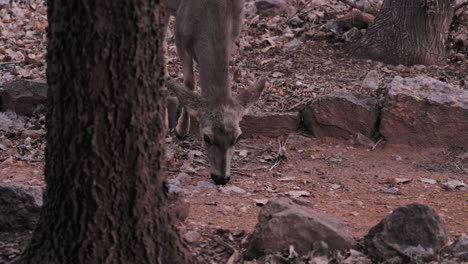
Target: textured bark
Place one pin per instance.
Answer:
(105, 200)
(408, 32)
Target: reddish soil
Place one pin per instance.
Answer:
(364, 176)
(349, 182)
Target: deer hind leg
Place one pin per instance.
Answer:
(183, 124)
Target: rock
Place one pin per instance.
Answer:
(341, 114)
(174, 187)
(352, 35)
(272, 7)
(270, 124)
(425, 112)
(183, 177)
(371, 82)
(20, 206)
(427, 180)
(365, 141)
(454, 184)
(187, 168)
(411, 233)
(297, 194)
(285, 222)
(293, 44)
(23, 97)
(204, 184)
(192, 237)
(459, 248)
(231, 190)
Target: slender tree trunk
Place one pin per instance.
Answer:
(105, 197)
(408, 32)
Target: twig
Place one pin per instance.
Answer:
(298, 11)
(377, 143)
(10, 62)
(252, 147)
(281, 152)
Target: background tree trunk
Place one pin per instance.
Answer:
(105, 197)
(408, 32)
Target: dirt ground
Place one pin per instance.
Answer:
(350, 182)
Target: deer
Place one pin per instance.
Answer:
(205, 31)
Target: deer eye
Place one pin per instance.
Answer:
(207, 139)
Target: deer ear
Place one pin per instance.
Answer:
(192, 102)
(251, 95)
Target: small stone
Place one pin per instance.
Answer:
(454, 184)
(400, 67)
(204, 184)
(293, 44)
(183, 177)
(352, 35)
(194, 153)
(365, 141)
(426, 180)
(297, 194)
(397, 157)
(187, 168)
(396, 181)
(173, 188)
(192, 237)
(419, 67)
(260, 202)
(354, 213)
(336, 186)
(287, 179)
(231, 190)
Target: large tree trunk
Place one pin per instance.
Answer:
(105, 197)
(408, 32)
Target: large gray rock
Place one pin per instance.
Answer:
(20, 206)
(341, 114)
(23, 97)
(423, 111)
(411, 233)
(285, 222)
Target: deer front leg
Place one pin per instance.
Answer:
(183, 124)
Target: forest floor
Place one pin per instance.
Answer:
(353, 183)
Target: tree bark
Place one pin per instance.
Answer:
(105, 200)
(408, 32)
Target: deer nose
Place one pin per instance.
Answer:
(220, 180)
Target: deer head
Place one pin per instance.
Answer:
(219, 124)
